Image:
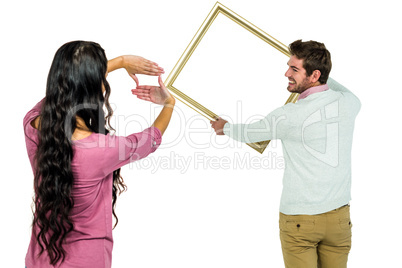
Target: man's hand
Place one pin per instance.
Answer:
(218, 125)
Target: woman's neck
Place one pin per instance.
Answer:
(81, 131)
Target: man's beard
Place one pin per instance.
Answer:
(305, 84)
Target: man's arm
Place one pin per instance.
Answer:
(335, 86)
(274, 126)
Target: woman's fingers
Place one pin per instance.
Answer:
(160, 81)
(144, 98)
(139, 65)
(134, 77)
(151, 68)
(140, 93)
(140, 90)
(161, 84)
(154, 68)
(144, 87)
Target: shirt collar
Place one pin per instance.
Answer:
(313, 90)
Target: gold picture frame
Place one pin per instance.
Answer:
(216, 10)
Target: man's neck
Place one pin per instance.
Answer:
(316, 84)
(312, 90)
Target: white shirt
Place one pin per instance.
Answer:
(316, 135)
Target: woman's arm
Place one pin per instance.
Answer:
(158, 95)
(163, 119)
(115, 64)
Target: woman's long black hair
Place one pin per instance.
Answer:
(74, 88)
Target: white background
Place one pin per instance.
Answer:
(215, 213)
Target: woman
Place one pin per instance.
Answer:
(76, 162)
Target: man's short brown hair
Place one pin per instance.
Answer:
(315, 56)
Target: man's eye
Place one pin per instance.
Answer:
(295, 70)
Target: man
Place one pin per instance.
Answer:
(316, 134)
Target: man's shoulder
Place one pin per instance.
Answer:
(347, 97)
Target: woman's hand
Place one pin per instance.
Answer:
(139, 65)
(158, 95)
(154, 94)
(135, 65)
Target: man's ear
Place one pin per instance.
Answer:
(315, 76)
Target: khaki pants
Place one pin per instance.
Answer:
(311, 241)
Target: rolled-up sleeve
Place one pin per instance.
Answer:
(120, 151)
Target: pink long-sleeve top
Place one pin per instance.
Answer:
(95, 158)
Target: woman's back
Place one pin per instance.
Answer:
(95, 159)
(76, 162)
